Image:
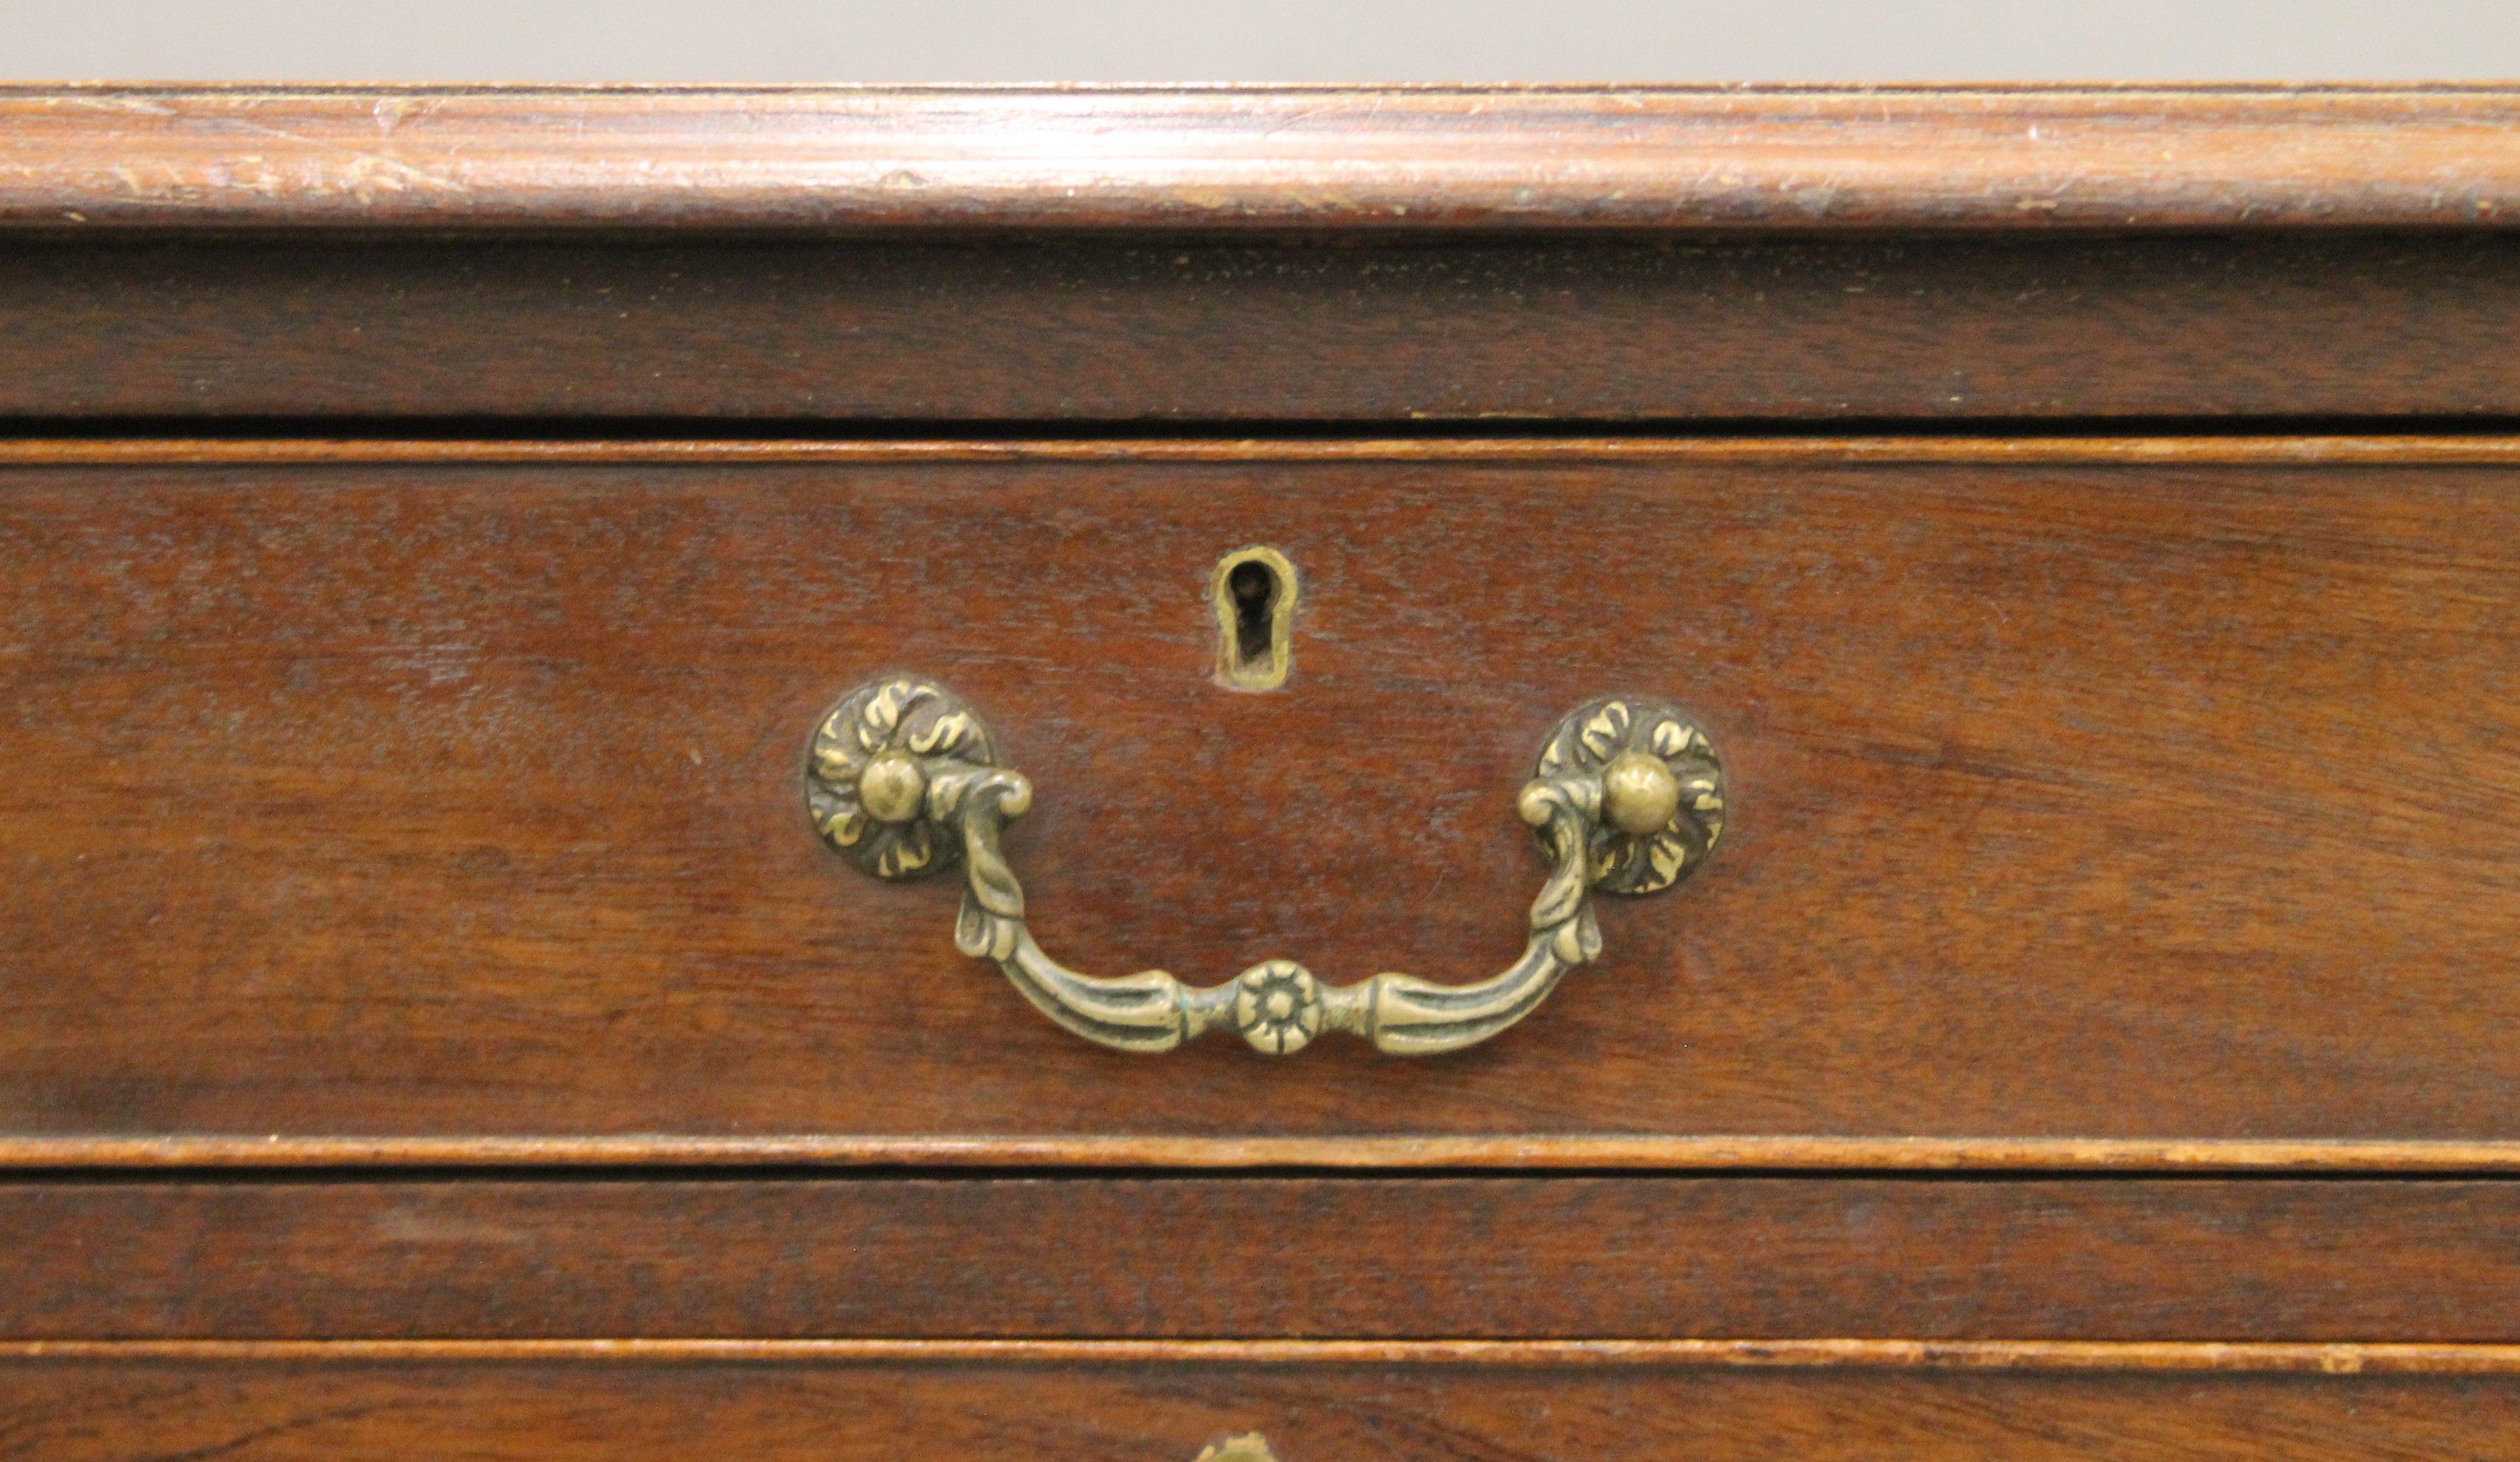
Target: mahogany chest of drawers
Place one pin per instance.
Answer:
(1125, 775)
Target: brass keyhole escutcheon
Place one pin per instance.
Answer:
(1254, 592)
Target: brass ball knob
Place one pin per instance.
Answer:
(893, 787)
(1638, 792)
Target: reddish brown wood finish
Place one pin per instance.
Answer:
(2225, 1357)
(1633, 1257)
(314, 1411)
(1153, 329)
(1329, 1153)
(1375, 158)
(2142, 799)
(2103, 804)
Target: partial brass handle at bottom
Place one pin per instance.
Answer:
(1627, 796)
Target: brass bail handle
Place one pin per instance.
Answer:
(1627, 797)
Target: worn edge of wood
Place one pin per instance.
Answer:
(105, 154)
(1577, 1153)
(2483, 449)
(2329, 1358)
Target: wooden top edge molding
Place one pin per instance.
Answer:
(2478, 450)
(1625, 1152)
(858, 157)
(1878, 1355)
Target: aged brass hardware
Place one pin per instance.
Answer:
(1254, 589)
(1627, 796)
(1251, 1446)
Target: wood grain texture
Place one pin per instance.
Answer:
(1374, 157)
(2347, 1261)
(1527, 1152)
(2229, 1357)
(90, 1413)
(2153, 802)
(302, 1411)
(2109, 805)
(1138, 327)
(2300, 450)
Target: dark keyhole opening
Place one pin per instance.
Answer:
(1254, 587)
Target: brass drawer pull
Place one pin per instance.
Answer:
(1627, 797)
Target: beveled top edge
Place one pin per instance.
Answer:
(849, 157)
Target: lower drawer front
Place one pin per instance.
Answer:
(769, 1407)
(2129, 791)
(1520, 1258)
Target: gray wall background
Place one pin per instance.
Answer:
(1279, 40)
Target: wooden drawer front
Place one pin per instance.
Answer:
(2137, 791)
(2121, 1260)
(773, 1404)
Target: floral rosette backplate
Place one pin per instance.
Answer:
(873, 760)
(1598, 733)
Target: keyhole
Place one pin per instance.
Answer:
(1255, 593)
(1255, 602)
